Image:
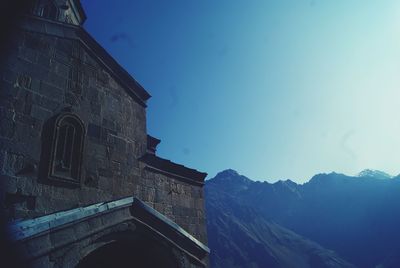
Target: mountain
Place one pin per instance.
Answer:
(239, 237)
(377, 174)
(356, 216)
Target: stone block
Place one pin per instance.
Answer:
(43, 261)
(44, 61)
(105, 183)
(36, 191)
(40, 112)
(131, 160)
(185, 201)
(62, 57)
(177, 210)
(33, 41)
(8, 91)
(33, 70)
(160, 195)
(159, 207)
(24, 101)
(168, 210)
(106, 172)
(28, 120)
(6, 103)
(65, 46)
(9, 182)
(56, 80)
(116, 167)
(81, 229)
(37, 42)
(117, 142)
(13, 162)
(95, 108)
(87, 59)
(194, 220)
(108, 124)
(19, 103)
(94, 223)
(92, 94)
(62, 237)
(54, 29)
(7, 127)
(150, 194)
(24, 134)
(199, 203)
(51, 92)
(148, 182)
(91, 179)
(113, 84)
(9, 76)
(27, 54)
(46, 103)
(2, 159)
(102, 78)
(71, 99)
(37, 246)
(192, 228)
(200, 213)
(35, 84)
(96, 150)
(112, 105)
(104, 196)
(62, 69)
(69, 33)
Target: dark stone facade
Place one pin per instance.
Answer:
(54, 69)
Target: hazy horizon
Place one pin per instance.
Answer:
(272, 89)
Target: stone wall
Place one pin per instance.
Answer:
(42, 76)
(45, 74)
(180, 201)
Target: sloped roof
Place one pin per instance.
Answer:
(171, 168)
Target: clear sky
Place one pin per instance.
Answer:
(275, 89)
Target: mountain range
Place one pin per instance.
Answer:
(333, 220)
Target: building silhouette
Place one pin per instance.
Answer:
(82, 185)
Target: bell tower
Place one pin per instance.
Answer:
(66, 11)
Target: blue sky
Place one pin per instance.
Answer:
(275, 89)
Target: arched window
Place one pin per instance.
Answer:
(49, 11)
(67, 148)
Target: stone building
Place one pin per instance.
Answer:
(82, 185)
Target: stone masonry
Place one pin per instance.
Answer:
(53, 68)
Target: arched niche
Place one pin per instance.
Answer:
(62, 148)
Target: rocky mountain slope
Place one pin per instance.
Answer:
(357, 217)
(239, 237)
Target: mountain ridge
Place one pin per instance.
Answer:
(239, 238)
(340, 212)
(369, 173)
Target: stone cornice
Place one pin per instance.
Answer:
(172, 169)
